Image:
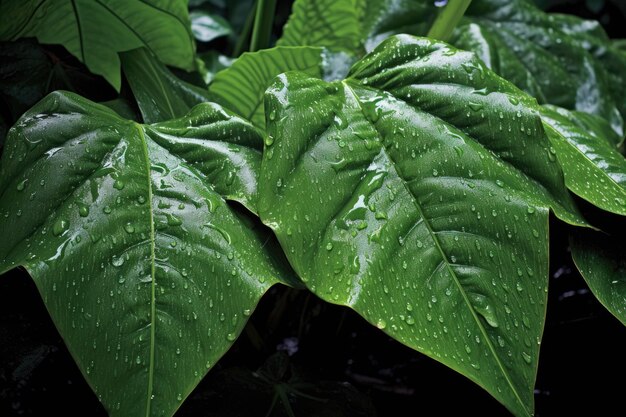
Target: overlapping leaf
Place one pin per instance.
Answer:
(96, 30)
(159, 93)
(558, 59)
(416, 191)
(587, 150)
(240, 87)
(147, 272)
(601, 260)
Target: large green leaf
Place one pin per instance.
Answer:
(586, 146)
(558, 59)
(147, 272)
(240, 87)
(416, 192)
(96, 30)
(352, 26)
(159, 93)
(601, 260)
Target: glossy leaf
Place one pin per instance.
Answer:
(586, 146)
(159, 93)
(353, 26)
(240, 88)
(416, 191)
(212, 62)
(601, 260)
(147, 272)
(96, 30)
(207, 27)
(561, 60)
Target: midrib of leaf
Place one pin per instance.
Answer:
(442, 253)
(129, 27)
(152, 273)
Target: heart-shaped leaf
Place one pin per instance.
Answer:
(96, 30)
(416, 191)
(147, 272)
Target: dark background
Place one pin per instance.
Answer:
(339, 364)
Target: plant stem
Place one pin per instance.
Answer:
(447, 19)
(262, 24)
(244, 36)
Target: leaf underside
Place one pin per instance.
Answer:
(147, 272)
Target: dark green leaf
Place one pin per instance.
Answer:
(240, 88)
(159, 93)
(558, 59)
(24, 75)
(601, 260)
(206, 26)
(586, 146)
(96, 30)
(416, 191)
(147, 272)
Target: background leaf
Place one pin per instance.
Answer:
(96, 30)
(159, 93)
(558, 59)
(207, 26)
(240, 88)
(601, 260)
(392, 193)
(147, 272)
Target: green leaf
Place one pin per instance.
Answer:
(159, 93)
(416, 191)
(352, 26)
(207, 26)
(561, 60)
(147, 272)
(601, 261)
(240, 88)
(586, 146)
(96, 30)
(212, 62)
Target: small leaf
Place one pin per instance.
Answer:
(585, 145)
(146, 270)
(416, 191)
(159, 93)
(601, 261)
(94, 31)
(206, 26)
(240, 88)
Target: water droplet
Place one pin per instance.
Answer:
(329, 246)
(527, 357)
(129, 228)
(118, 185)
(22, 184)
(60, 226)
(381, 324)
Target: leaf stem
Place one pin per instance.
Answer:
(447, 19)
(262, 24)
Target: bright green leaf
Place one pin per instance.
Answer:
(416, 192)
(159, 93)
(240, 88)
(593, 168)
(601, 260)
(206, 26)
(96, 30)
(147, 272)
(353, 26)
